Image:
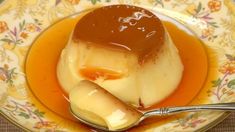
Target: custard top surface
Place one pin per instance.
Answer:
(124, 27)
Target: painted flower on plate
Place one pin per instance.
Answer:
(208, 32)
(31, 27)
(74, 2)
(3, 26)
(228, 67)
(24, 35)
(214, 5)
(191, 9)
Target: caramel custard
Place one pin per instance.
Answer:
(124, 49)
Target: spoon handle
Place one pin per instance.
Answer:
(174, 110)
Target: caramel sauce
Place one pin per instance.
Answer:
(93, 73)
(44, 54)
(124, 27)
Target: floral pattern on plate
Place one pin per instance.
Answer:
(22, 20)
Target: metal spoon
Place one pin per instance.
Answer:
(164, 112)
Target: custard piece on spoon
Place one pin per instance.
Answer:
(93, 103)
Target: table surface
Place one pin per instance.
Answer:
(228, 125)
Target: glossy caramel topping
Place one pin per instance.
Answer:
(125, 27)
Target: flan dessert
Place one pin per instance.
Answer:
(124, 49)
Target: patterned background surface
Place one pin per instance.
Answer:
(228, 125)
(22, 20)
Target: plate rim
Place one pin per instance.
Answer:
(204, 128)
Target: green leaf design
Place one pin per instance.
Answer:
(1, 1)
(159, 2)
(38, 113)
(231, 84)
(216, 82)
(213, 24)
(199, 7)
(6, 40)
(230, 57)
(21, 25)
(11, 73)
(94, 1)
(26, 116)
